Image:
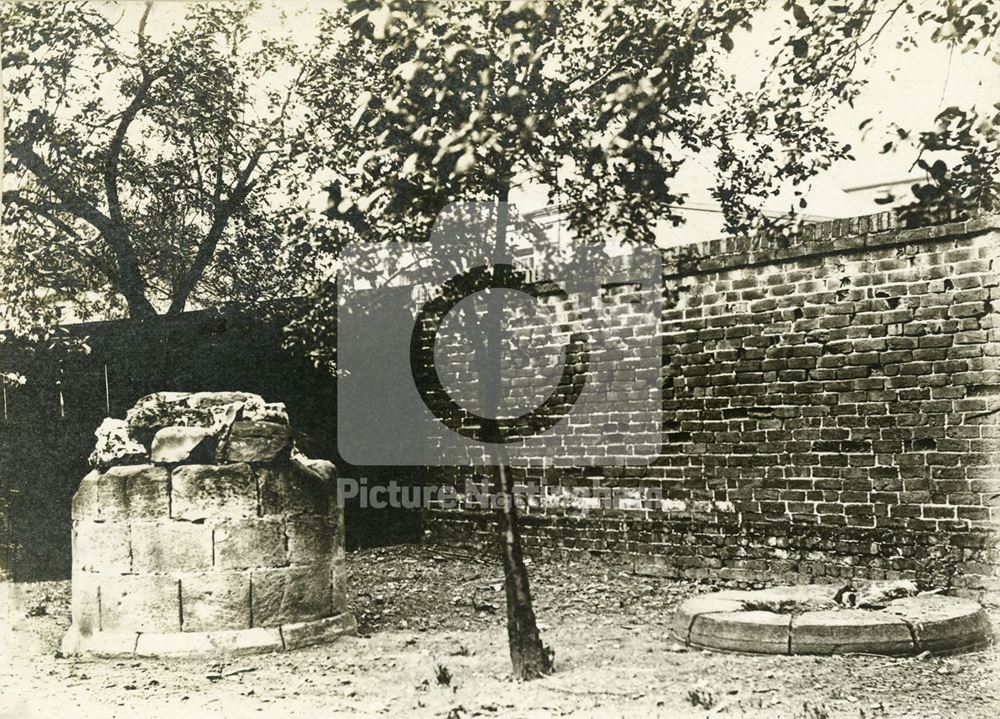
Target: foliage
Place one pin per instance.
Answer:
(604, 102)
(961, 154)
(148, 166)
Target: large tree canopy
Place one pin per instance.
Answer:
(153, 164)
(147, 166)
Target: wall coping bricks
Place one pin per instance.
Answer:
(820, 238)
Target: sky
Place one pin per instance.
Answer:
(906, 87)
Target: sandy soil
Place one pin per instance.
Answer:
(433, 645)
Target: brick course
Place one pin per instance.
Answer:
(831, 409)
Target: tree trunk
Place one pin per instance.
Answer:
(529, 656)
(130, 282)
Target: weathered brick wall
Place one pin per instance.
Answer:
(831, 409)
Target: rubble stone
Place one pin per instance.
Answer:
(268, 412)
(252, 441)
(164, 409)
(116, 446)
(173, 445)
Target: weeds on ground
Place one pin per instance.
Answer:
(813, 711)
(703, 698)
(443, 675)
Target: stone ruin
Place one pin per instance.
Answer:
(893, 618)
(202, 530)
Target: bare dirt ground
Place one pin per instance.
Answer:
(433, 644)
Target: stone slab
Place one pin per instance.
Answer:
(338, 585)
(85, 603)
(847, 631)
(171, 546)
(221, 643)
(250, 544)
(132, 491)
(943, 624)
(85, 503)
(102, 547)
(310, 539)
(689, 609)
(173, 445)
(321, 631)
(291, 595)
(138, 603)
(253, 441)
(208, 644)
(755, 632)
(148, 493)
(214, 601)
(293, 490)
(204, 491)
(98, 644)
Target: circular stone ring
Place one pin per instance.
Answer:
(806, 619)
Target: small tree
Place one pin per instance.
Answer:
(601, 102)
(462, 98)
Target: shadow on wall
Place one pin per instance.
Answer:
(47, 426)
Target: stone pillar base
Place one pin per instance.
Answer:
(203, 531)
(256, 640)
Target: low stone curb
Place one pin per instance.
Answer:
(255, 640)
(798, 620)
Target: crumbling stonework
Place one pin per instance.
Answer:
(202, 530)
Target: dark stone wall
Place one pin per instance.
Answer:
(43, 451)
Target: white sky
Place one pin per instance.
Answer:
(906, 87)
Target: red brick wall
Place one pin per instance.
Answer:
(831, 409)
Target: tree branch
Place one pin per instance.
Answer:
(74, 203)
(117, 142)
(225, 209)
(115, 234)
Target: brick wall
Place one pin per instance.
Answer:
(831, 409)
